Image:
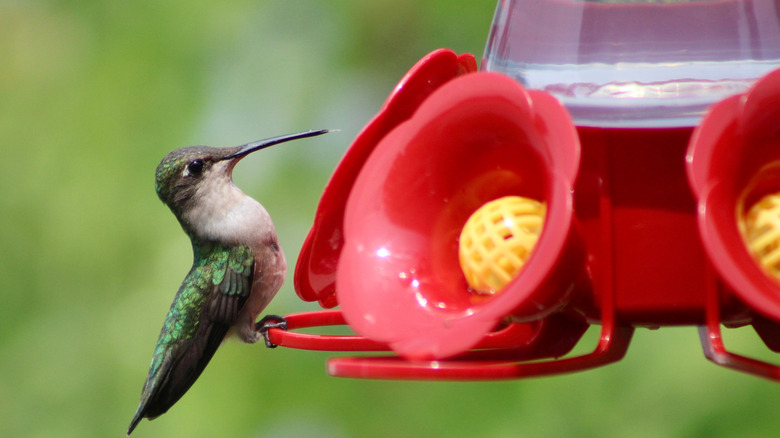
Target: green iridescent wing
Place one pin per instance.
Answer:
(206, 305)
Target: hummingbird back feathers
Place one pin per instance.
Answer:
(206, 305)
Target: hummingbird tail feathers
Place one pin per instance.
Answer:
(176, 374)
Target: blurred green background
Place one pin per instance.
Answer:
(93, 94)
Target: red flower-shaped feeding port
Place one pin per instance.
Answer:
(477, 138)
(733, 162)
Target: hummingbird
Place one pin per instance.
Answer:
(238, 268)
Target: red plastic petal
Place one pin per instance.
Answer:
(316, 268)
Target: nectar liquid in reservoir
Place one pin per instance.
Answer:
(635, 63)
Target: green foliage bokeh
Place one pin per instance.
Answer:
(93, 94)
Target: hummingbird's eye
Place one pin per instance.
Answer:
(195, 168)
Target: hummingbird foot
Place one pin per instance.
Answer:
(268, 322)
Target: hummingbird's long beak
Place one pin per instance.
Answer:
(262, 144)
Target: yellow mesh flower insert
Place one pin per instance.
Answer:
(762, 227)
(497, 240)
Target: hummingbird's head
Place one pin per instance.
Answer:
(183, 170)
(184, 173)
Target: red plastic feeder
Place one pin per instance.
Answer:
(644, 225)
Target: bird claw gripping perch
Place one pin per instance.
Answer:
(268, 322)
